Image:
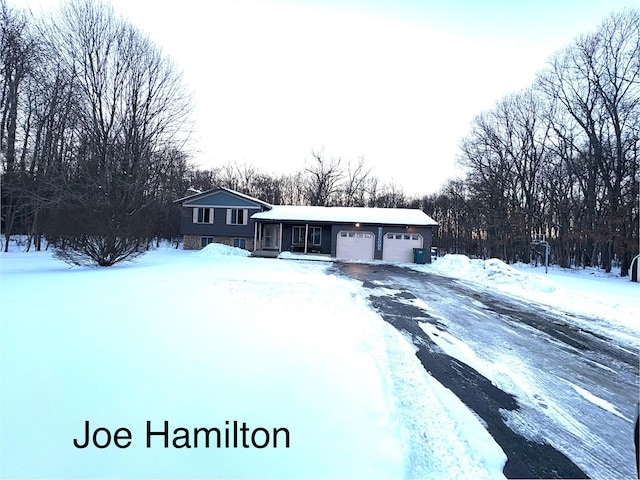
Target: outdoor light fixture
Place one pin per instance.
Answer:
(358, 225)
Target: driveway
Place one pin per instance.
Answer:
(560, 400)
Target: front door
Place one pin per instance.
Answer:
(271, 236)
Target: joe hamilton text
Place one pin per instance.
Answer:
(233, 434)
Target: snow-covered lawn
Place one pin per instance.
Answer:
(263, 350)
(275, 349)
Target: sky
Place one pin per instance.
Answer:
(396, 83)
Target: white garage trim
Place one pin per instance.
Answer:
(355, 245)
(398, 247)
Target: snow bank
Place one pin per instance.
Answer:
(303, 256)
(491, 271)
(220, 250)
(608, 301)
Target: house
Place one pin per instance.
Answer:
(349, 233)
(220, 215)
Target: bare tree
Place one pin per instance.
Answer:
(322, 179)
(354, 187)
(596, 84)
(132, 108)
(17, 47)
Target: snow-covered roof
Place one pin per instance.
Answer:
(392, 216)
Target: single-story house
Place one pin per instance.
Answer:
(349, 233)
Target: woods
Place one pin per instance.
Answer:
(92, 120)
(559, 161)
(94, 129)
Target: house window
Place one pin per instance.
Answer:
(202, 215)
(315, 235)
(204, 241)
(237, 216)
(240, 243)
(297, 235)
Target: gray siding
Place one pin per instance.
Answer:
(218, 227)
(222, 199)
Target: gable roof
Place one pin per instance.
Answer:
(193, 199)
(391, 216)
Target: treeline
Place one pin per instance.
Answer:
(94, 150)
(557, 162)
(93, 120)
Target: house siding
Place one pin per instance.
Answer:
(220, 202)
(221, 199)
(219, 225)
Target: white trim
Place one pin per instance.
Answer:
(191, 205)
(245, 216)
(196, 211)
(255, 236)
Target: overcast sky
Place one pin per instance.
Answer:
(396, 82)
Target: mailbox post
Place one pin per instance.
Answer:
(547, 251)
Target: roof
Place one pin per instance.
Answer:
(190, 198)
(391, 216)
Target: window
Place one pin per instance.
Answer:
(240, 243)
(315, 235)
(202, 215)
(237, 216)
(297, 235)
(204, 241)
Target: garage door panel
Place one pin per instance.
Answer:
(398, 247)
(354, 245)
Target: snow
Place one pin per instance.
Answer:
(219, 250)
(207, 337)
(601, 402)
(610, 301)
(393, 216)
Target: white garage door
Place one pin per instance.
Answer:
(353, 245)
(398, 247)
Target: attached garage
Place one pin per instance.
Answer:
(398, 247)
(350, 233)
(354, 245)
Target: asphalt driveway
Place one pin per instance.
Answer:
(545, 425)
